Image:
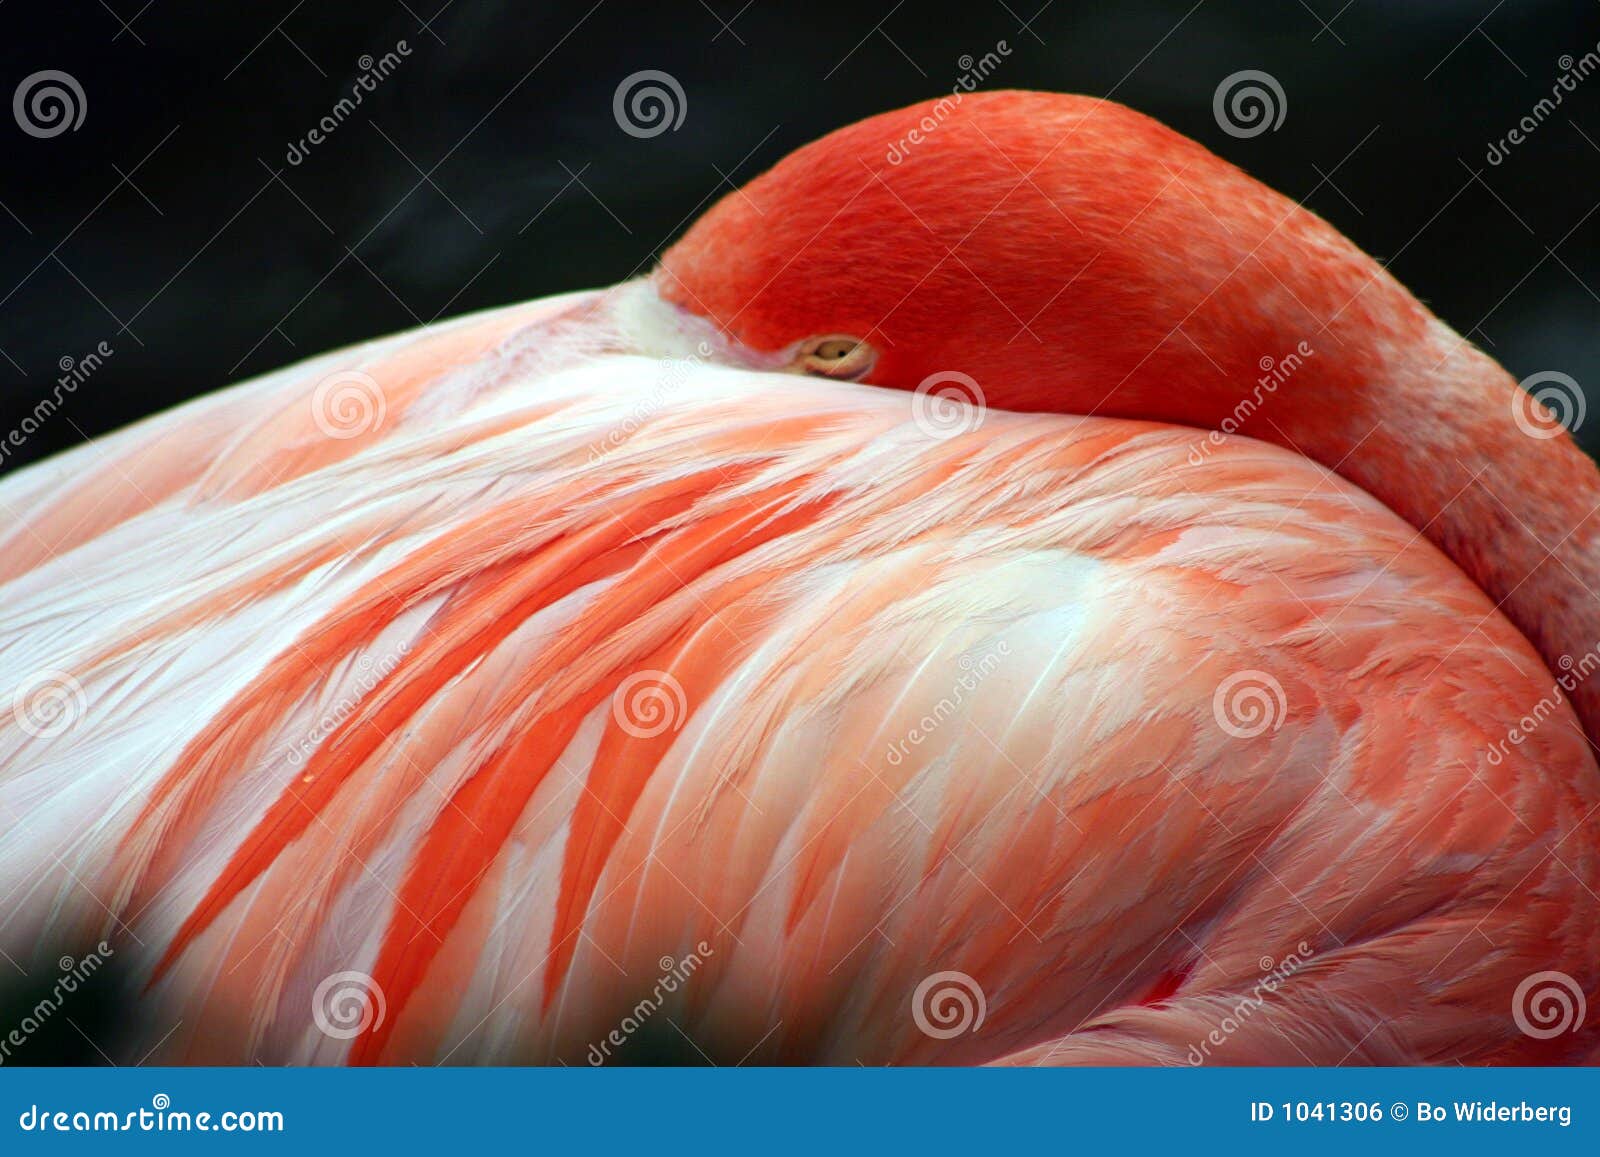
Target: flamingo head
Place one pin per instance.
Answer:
(1059, 252)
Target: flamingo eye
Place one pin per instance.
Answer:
(833, 348)
(836, 356)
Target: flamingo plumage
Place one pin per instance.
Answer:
(510, 664)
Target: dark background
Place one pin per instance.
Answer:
(488, 167)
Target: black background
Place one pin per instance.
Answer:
(488, 167)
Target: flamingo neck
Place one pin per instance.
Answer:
(1386, 395)
(1439, 444)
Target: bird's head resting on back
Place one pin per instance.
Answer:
(1072, 255)
(1068, 254)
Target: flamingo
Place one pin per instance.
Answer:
(1047, 599)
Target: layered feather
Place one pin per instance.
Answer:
(574, 667)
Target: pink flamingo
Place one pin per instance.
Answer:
(1185, 659)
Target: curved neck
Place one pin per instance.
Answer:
(1437, 439)
(1385, 395)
